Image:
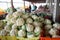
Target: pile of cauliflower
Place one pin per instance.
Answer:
(22, 25)
(52, 30)
(26, 25)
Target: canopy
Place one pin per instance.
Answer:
(36, 1)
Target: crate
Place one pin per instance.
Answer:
(35, 38)
(47, 38)
(17, 38)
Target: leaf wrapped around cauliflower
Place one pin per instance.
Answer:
(30, 35)
(37, 31)
(23, 27)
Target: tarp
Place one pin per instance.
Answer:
(36, 1)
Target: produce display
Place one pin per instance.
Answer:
(20, 24)
(28, 25)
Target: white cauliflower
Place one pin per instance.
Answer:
(2, 32)
(37, 31)
(56, 25)
(14, 26)
(20, 22)
(8, 17)
(48, 26)
(47, 21)
(37, 23)
(29, 20)
(25, 16)
(21, 33)
(29, 27)
(7, 28)
(13, 20)
(55, 36)
(16, 14)
(34, 17)
(13, 32)
(52, 31)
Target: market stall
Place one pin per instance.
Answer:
(36, 25)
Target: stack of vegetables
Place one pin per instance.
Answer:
(27, 25)
(22, 25)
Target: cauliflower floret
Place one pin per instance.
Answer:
(52, 31)
(13, 32)
(47, 21)
(34, 17)
(29, 27)
(13, 20)
(48, 26)
(21, 33)
(8, 17)
(25, 16)
(2, 32)
(37, 23)
(56, 36)
(56, 25)
(7, 28)
(29, 20)
(14, 26)
(20, 22)
(16, 14)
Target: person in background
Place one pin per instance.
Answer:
(34, 7)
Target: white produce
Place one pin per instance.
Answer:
(37, 30)
(7, 28)
(37, 23)
(3, 32)
(14, 26)
(34, 17)
(8, 17)
(16, 14)
(13, 32)
(20, 22)
(56, 25)
(29, 27)
(25, 16)
(29, 20)
(21, 33)
(52, 31)
(47, 21)
(55, 36)
(13, 20)
(48, 26)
